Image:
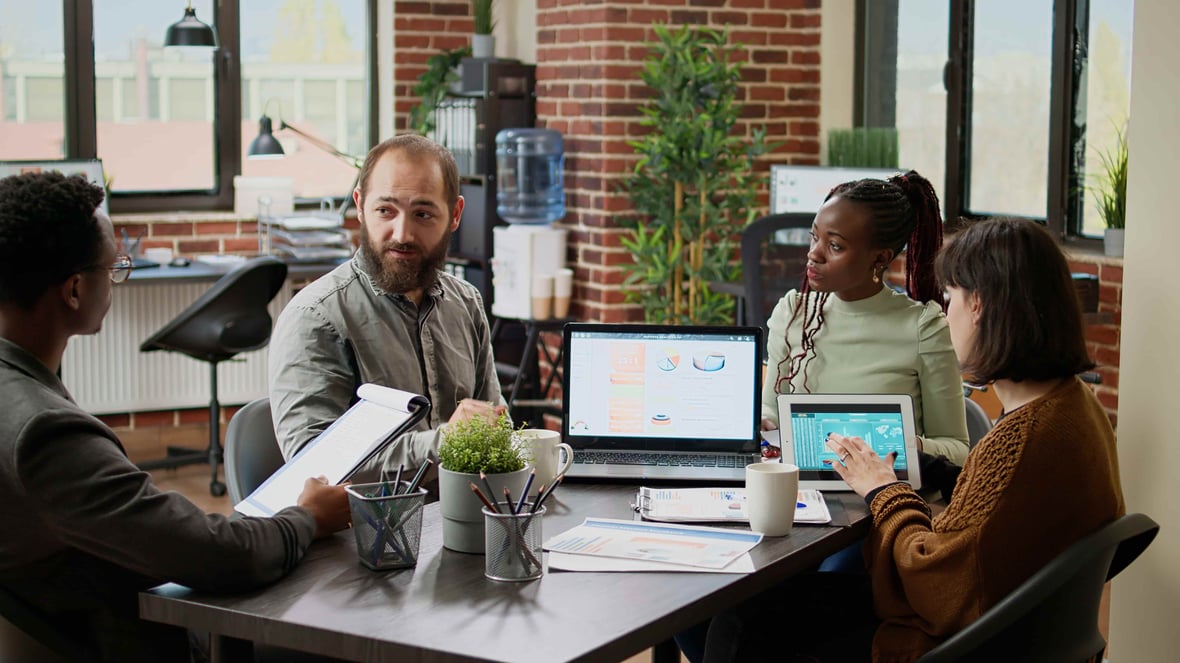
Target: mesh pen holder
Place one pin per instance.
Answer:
(513, 543)
(388, 527)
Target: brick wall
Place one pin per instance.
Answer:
(588, 88)
(420, 30)
(1103, 340)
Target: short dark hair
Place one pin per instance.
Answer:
(47, 232)
(416, 146)
(1030, 327)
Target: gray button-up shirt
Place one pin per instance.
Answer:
(343, 331)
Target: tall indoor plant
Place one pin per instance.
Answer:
(1110, 194)
(694, 186)
(468, 448)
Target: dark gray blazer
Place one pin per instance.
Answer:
(84, 530)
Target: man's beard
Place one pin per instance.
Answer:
(399, 275)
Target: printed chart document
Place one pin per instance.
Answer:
(704, 505)
(680, 545)
(377, 419)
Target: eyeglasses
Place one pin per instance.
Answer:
(119, 270)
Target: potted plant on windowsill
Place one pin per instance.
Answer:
(483, 44)
(468, 448)
(1110, 194)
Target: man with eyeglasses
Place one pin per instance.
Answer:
(85, 529)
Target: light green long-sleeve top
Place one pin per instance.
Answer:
(885, 344)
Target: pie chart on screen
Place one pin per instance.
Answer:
(669, 361)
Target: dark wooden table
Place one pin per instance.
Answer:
(445, 610)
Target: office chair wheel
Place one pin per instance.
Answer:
(217, 488)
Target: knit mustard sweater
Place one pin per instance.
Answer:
(1044, 477)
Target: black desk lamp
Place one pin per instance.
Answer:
(266, 146)
(188, 31)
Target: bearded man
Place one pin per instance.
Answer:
(389, 315)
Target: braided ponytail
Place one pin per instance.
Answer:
(925, 237)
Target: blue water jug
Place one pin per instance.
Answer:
(529, 164)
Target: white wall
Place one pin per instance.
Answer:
(1146, 598)
(837, 68)
(516, 30)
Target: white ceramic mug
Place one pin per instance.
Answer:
(545, 447)
(772, 491)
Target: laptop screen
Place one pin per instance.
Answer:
(661, 387)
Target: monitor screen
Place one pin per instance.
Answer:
(662, 387)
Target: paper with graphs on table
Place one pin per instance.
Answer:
(708, 505)
(681, 545)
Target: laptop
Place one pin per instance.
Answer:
(884, 421)
(661, 401)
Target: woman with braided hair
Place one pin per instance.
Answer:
(845, 331)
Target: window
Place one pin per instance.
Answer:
(1025, 97)
(32, 79)
(172, 125)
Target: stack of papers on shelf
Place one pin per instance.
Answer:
(601, 544)
(703, 505)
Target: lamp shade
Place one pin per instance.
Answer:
(265, 145)
(188, 31)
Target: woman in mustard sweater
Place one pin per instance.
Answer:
(846, 332)
(1045, 476)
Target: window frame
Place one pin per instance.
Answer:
(1067, 140)
(81, 124)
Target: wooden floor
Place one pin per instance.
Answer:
(193, 483)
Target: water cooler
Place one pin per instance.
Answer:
(528, 253)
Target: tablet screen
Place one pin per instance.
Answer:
(878, 424)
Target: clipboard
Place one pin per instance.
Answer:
(375, 421)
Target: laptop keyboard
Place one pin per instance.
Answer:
(660, 459)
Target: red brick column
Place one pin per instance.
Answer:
(588, 88)
(420, 30)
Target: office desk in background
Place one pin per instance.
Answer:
(445, 610)
(106, 373)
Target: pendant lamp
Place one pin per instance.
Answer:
(188, 31)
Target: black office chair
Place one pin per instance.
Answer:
(1053, 616)
(229, 318)
(770, 266)
(978, 423)
(43, 630)
(252, 453)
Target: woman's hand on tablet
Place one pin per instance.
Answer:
(859, 466)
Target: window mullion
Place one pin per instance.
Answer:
(81, 140)
(957, 78)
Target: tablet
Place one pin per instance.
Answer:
(884, 421)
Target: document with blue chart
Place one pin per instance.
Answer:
(661, 401)
(884, 421)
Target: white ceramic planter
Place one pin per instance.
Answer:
(483, 46)
(1112, 242)
(462, 511)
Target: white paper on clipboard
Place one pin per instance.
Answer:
(376, 420)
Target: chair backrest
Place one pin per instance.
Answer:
(1053, 616)
(251, 450)
(770, 265)
(229, 318)
(978, 423)
(34, 623)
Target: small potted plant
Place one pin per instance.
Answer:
(483, 44)
(1110, 194)
(468, 448)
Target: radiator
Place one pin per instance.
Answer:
(106, 373)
